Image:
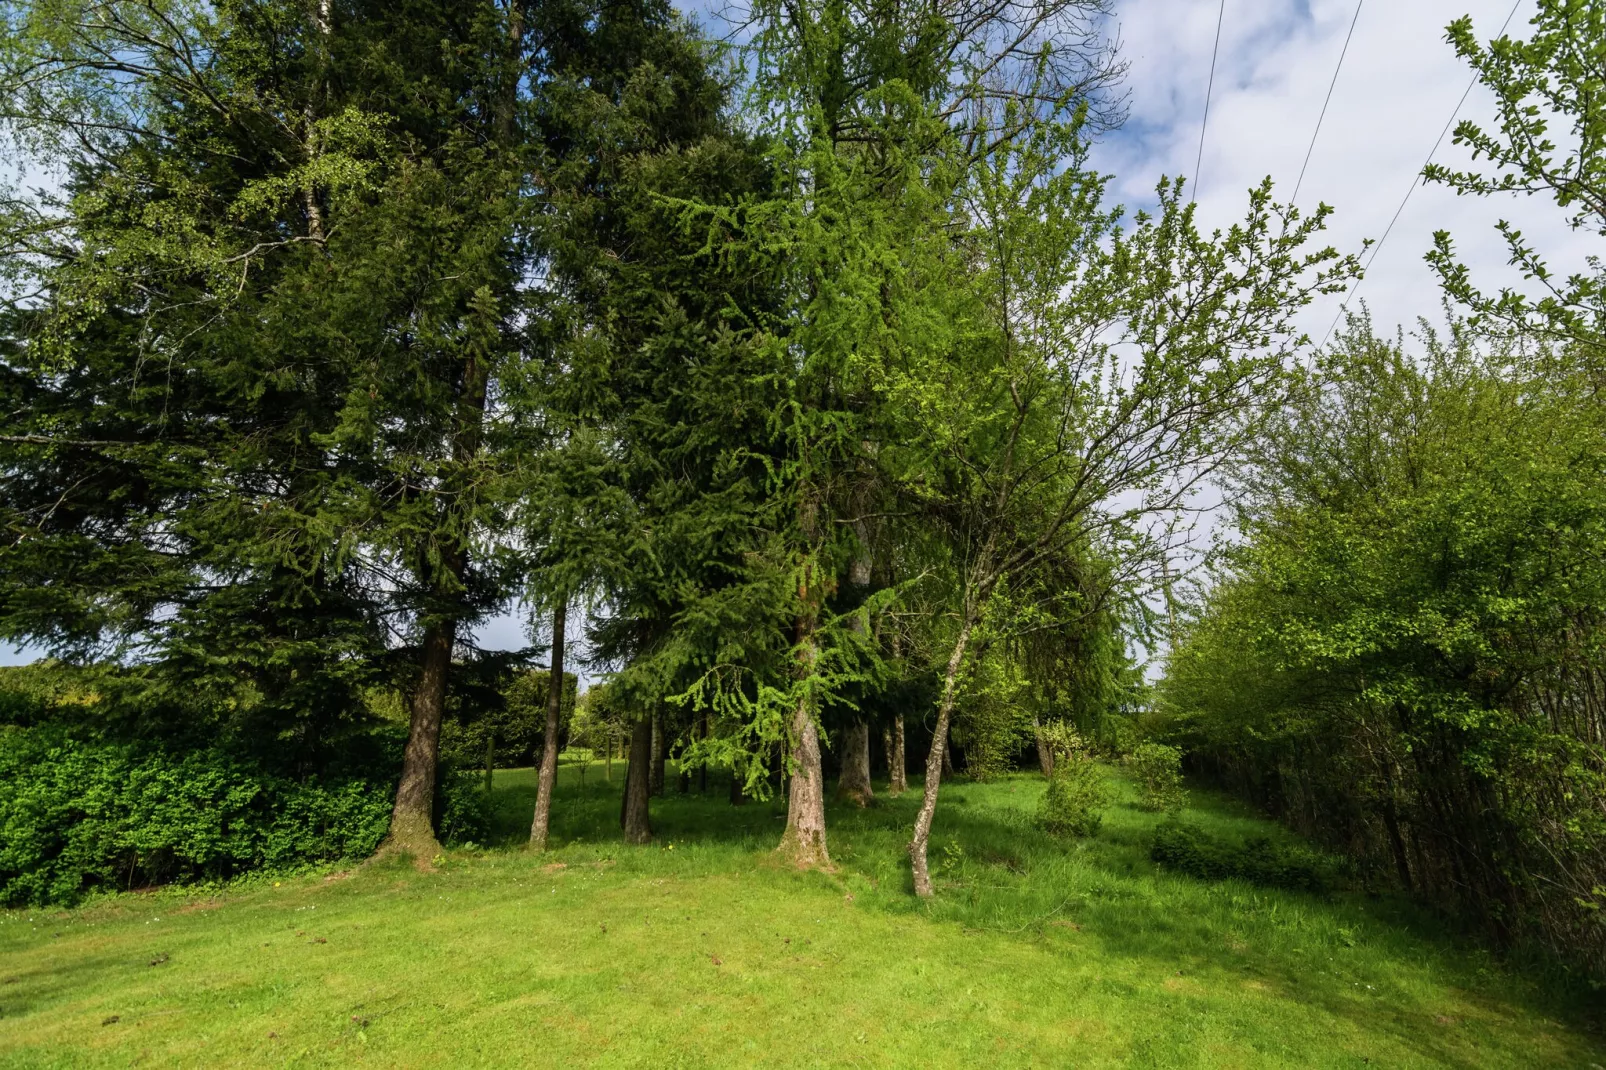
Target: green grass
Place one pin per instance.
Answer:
(702, 951)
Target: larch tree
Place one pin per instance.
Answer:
(860, 102)
(1063, 402)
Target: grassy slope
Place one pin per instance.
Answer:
(701, 951)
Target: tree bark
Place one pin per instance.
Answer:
(549, 749)
(934, 763)
(897, 762)
(854, 783)
(1045, 757)
(412, 826)
(490, 758)
(635, 818)
(804, 840)
(656, 781)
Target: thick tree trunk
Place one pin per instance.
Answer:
(412, 827)
(635, 818)
(1045, 757)
(656, 781)
(854, 783)
(934, 762)
(897, 763)
(549, 749)
(804, 840)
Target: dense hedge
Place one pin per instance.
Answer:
(1405, 656)
(84, 807)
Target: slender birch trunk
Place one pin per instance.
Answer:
(897, 761)
(934, 763)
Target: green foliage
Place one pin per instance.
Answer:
(1258, 860)
(1078, 792)
(1403, 655)
(1077, 795)
(77, 816)
(993, 721)
(1547, 140)
(80, 815)
(1158, 770)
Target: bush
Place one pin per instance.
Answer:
(79, 814)
(1076, 797)
(1189, 849)
(1158, 769)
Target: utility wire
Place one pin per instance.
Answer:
(1329, 99)
(1415, 181)
(1209, 89)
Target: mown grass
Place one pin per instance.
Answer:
(702, 951)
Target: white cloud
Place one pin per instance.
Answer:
(1399, 84)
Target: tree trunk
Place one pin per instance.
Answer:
(656, 780)
(549, 748)
(635, 818)
(490, 758)
(897, 763)
(854, 783)
(1045, 757)
(738, 793)
(804, 840)
(607, 760)
(412, 826)
(934, 762)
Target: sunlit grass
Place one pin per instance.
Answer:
(701, 950)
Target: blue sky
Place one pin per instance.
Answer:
(1399, 84)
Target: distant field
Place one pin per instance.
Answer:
(701, 951)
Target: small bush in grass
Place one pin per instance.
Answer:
(1158, 769)
(1191, 850)
(1078, 791)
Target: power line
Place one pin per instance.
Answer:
(1209, 89)
(1415, 180)
(1314, 133)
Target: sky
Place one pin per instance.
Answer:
(1398, 86)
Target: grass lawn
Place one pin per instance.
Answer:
(701, 951)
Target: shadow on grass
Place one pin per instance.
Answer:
(1377, 961)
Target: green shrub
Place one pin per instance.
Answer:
(78, 814)
(1189, 849)
(1076, 797)
(1158, 769)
